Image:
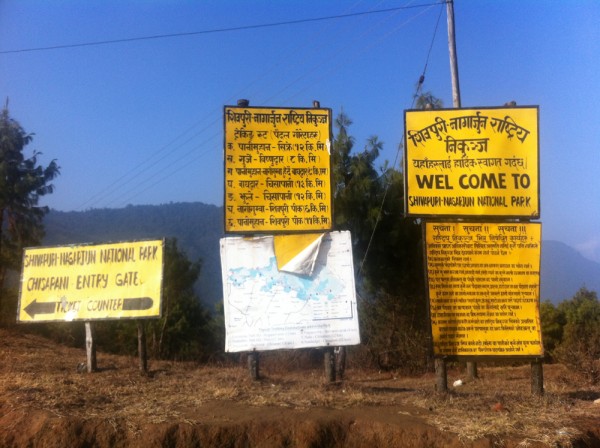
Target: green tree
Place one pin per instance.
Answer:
(553, 321)
(428, 101)
(185, 329)
(580, 345)
(22, 183)
(386, 247)
(356, 184)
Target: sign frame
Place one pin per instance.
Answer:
(284, 310)
(467, 323)
(265, 216)
(447, 157)
(147, 306)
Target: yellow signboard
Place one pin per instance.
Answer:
(277, 170)
(90, 282)
(472, 162)
(484, 288)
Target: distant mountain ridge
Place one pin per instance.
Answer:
(198, 228)
(564, 271)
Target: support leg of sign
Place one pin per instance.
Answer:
(329, 358)
(142, 351)
(340, 362)
(441, 376)
(472, 370)
(253, 365)
(90, 347)
(537, 377)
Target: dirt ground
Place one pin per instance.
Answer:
(46, 402)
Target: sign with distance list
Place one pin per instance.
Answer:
(277, 170)
(472, 162)
(91, 282)
(484, 288)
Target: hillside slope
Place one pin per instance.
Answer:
(47, 403)
(198, 228)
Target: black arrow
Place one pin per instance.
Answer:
(36, 307)
(139, 303)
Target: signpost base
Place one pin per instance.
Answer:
(537, 378)
(441, 376)
(472, 370)
(142, 352)
(253, 365)
(90, 347)
(329, 359)
(340, 362)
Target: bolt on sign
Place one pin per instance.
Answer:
(472, 162)
(484, 288)
(91, 282)
(277, 170)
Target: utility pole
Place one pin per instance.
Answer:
(452, 53)
(440, 363)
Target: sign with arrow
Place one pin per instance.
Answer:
(91, 282)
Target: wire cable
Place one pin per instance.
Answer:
(388, 183)
(213, 31)
(153, 161)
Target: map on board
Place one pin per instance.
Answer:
(266, 309)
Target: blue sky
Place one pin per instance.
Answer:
(141, 122)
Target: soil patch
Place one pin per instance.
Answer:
(46, 402)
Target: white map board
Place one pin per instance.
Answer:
(266, 309)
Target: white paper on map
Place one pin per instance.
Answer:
(266, 309)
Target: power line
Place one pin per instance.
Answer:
(388, 183)
(153, 160)
(213, 31)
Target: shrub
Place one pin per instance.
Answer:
(580, 346)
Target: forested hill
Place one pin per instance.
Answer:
(197, 227)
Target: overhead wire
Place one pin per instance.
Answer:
(161, 154)
(316, 44)
(216, 113)
(161, 176)
(364, 49)
(388, 182)
(327, 60)
(151, 161)
(213, 31)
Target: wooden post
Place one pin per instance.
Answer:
(329, 358)
(142, 351)
(537, 377)
(340, 362)
(90, 347)
(253, 365)
(441, 376)
(471, 370)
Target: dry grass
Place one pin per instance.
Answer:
(36, 374)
